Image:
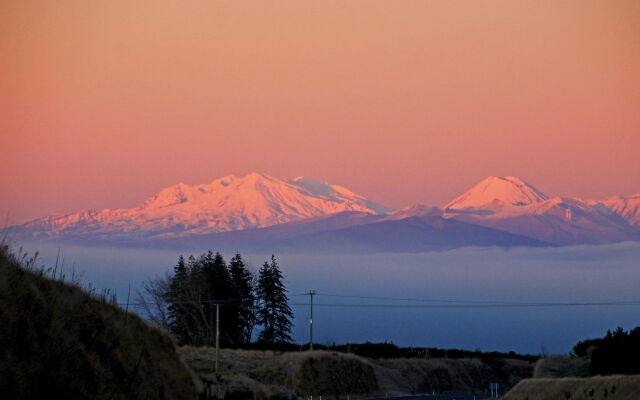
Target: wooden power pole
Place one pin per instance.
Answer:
(217, 333)
(311, 294)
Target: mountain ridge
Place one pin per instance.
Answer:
(515, 206)
(259, 204)
(226, 204)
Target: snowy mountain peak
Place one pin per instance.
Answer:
(512, 205)
(226, 204)
(495, 193)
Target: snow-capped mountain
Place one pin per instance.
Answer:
(311, 214)
(496, 195)
(227, 204)
(513, 205)
(626, 207)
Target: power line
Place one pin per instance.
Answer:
(479, 302)
(452, 306)
(458, 303)
(424, 306)
(419, 299)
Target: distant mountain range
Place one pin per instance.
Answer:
(261, 212)
(512, 205)
(226, 204)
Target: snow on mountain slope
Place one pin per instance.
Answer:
(514, 206)
(627, 207)
(226, 204)
(560, 221)
(304, 206)
(335, 193)
(416, 210)
(494, 194)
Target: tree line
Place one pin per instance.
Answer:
(618, 352)
(185, 300)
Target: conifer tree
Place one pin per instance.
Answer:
(274, 312)
(194, 295)
(217, 289)
(194, 288)
(181, 322)
(242, 287)
(264, 292)
(198, 285)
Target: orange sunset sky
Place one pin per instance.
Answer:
(103, 103)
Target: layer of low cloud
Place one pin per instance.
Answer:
(566, 274)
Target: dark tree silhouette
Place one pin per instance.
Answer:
(190, 296)
(617, 353)
(274, 311)
(244, 299)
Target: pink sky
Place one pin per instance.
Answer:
(104, 103)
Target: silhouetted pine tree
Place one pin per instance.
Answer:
(181, 321)
(217, 288)
(244, 299)
(198, 284)
(264, 293)
(274, 311)
(194, 288)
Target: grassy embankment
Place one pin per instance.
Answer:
(567, 378)
(614, 387)
(59, 341)
(248, 374)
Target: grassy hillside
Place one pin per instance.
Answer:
(271, 374)
(58, 341)
(561, 366)
(616, 387)
(443, 375)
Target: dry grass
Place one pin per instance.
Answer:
(334, 375)
(616, 387)
(561, 366)
(282, 375)
(57, 341)
(442, 375)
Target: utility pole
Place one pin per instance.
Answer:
(311, 294)
(217, 333)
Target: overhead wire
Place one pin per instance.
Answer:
(450, 304)
(459, 306)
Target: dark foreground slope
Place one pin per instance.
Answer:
(615, 387)
(57, 341)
